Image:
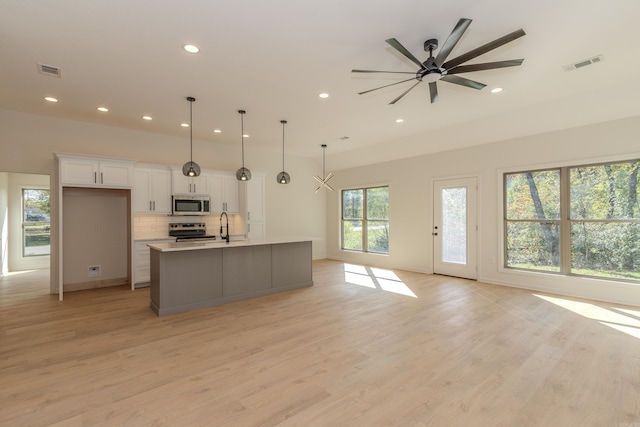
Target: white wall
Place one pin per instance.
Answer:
(411, 217)
(27, 142)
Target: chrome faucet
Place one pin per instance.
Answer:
(226, 237)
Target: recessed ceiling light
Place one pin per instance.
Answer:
(496, 90)
(245, 136)
(399, 120)
(50, 99)
(323, 95)
(147, 118)
(103, 109)
(184, 125)
(191, 48)
(217, 131)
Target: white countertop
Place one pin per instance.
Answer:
(217, 244)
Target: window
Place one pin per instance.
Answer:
(36, 226)
(365, 219)
(581, 220)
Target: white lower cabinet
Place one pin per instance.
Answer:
(142, 264)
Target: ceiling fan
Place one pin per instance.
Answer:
(434, 69)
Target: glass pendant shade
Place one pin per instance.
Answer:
(191, 168)
(283, 177)
(242, 174)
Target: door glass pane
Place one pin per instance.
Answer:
(36, 222)
(454, 225)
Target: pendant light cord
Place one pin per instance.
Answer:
(242, 134)
(324, 149)
(283, 123)
(191, 131)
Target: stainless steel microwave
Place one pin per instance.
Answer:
(191, 205)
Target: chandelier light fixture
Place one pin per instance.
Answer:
(323, 181)
(283, 177)
(191, 168)
(242, 174)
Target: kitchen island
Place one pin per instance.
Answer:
(191, 275)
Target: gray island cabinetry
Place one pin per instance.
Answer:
(191, 275)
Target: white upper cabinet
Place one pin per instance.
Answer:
(95, 172)
(152, 190)
(224, 192)
(189, 185)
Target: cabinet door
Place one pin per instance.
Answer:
(189, 185)
(181, 184)
(217, 197)
(160, 191)
(255, 199)
(79, 172)
(230, 192)
(142, 202)
(115, 174)
(200, 184)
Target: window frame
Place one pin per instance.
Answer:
(25, 223)
(565, 222)
(365, 220)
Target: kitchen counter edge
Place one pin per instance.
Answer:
(191, 246)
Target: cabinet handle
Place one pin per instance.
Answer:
(101, 178)
(249, 228)
(150, 208)
(95, 177)
(248, 216)
(194, 188)
(154, 205)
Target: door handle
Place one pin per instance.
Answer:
(434, 234)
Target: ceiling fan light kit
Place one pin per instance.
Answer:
(438, 68)
(242, 174)
(191, 168)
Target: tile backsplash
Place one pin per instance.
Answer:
(157, 226)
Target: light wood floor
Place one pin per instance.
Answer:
(456, 353)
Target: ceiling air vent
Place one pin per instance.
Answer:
(49, 70)
(584, 63)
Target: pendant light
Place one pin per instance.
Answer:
(191, 168)
(323, 181)
(242, 174)
(283, 177)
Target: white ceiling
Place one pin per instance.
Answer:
(273, 58)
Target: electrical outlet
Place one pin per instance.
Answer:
(93, 270)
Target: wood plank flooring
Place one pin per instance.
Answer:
(362, 347)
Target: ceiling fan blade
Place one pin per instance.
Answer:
(397, 46)
(463, 82)
(433, 92)
(403, 94)
(373, 71)
(396, 83)
(484, 49)
(485, 66)
(452, 40)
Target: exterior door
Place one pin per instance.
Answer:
(455, 227)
